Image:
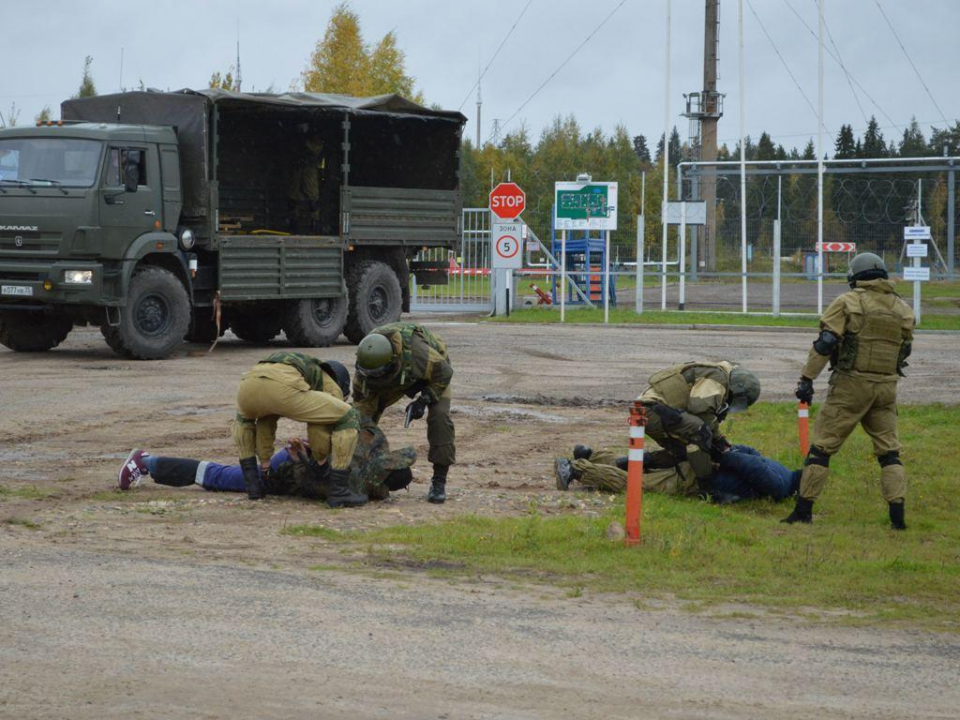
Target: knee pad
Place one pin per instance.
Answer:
(890, 458)
(817, 456)
(349, 421)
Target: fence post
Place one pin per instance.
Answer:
(638, 421)
(682, 244)
(638, 304)
(776, 268)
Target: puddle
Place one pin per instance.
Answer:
(511, 414)
(184, 411)
(547, 400)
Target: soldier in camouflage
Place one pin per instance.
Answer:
(304, 186)
(376, 470)
(685, 405)
(866, 335)
(309, 390)
(407, 360)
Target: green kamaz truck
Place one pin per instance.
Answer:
(161, 216)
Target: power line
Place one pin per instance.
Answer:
(837, 60)
(896, 126)
(563, 64)
(784, 62)
(846, 73)
(910, 60)
(502, 43)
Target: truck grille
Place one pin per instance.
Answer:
(29, 243)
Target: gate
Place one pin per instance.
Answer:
(468, 290)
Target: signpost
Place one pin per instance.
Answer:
(585, 205)
(681, 213)
(507, 203)
(916, 249)
(847, 247)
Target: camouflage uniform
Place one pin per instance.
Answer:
(875, 327)
(295, 386)
(305, 180)
(373, 462)
(424, 368)
(685, 405)
(601, 472)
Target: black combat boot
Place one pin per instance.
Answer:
(251, 478)
(438, 485)
(582, 452)
(803, 512)
(896, 516)
(565, 473)
(339, 493)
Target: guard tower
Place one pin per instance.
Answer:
(704, 110)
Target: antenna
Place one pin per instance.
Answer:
(121, 68)
(479, 98)
(239, 76)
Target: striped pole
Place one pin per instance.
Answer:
(638, 421)
(803, 427)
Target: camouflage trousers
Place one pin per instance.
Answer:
(600, 473)
(853, 401)
(441, 434)
(261, 402)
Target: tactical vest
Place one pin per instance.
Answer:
(674, 383)
(311, 368)
(406, 331)
(876, 347)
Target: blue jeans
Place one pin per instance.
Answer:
(217, 477)
(747, 474)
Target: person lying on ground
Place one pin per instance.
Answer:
(740, 473)
(375, 470)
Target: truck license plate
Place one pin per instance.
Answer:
(19, 290)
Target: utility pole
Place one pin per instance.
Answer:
(713, 109)
(239, 77)
(479, 105)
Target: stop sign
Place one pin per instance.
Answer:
(507, 201)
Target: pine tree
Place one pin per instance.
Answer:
(641, 149)
(913, 144)
(874, 146)
(845, 147)
(765, 149)
(675, 147)
(87, 86)
(658, 158)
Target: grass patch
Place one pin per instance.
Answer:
(314, 531)
(24, 523)
(849, 562)
(28, 492)
(676, 317)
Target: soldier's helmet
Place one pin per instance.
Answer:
(375, 356)
(339, 372)
(866, 266)
(744, 389)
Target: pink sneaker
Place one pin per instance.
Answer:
(133, 470)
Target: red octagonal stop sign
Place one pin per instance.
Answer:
(507, 201)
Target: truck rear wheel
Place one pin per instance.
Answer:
(314, 323)
(155, 319)
(33, 331)
(257, 325)
(375, 298)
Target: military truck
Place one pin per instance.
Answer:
(160, 216)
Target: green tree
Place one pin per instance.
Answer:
(44, 115)
(913, 144)
(845, 146)
(87, 86)
(874, 146)
(949, 137)
(226, 81)
(641, 149)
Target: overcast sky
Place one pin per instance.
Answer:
(617, 77)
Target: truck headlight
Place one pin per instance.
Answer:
(187, 239)
(78, 277)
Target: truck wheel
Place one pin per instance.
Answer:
(155, 319)
(375, 298)
(33, 331)
(203, 328)
(258, 326)
(314, 323)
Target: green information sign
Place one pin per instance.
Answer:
(585, 206)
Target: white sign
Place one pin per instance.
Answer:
(585, 206)
(920, 250)
(916, 232)
(19, 290)
(507, 241)
(696, 213)
(917, 274)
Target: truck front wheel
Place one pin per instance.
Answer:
(155, 319)
(314, 323)
(33, 331)
(375, 298)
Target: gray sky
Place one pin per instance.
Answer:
(616, 78)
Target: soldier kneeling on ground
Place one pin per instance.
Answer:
(740, 473)
(376, 471)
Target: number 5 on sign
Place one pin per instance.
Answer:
(506, 244)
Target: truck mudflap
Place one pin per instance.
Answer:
(408, 217)
(276, 268)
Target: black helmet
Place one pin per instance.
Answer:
(338, 371)
(744, 389)
(866, 266)
(375, 356)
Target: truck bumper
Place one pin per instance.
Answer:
(28, 282)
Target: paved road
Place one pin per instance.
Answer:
(99, 636)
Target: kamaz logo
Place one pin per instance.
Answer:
(19, 228)
(18, 241)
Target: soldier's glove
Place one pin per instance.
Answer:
(804, 391)
(704, 438)
(719, 447)
(670, 417)
(416, 410)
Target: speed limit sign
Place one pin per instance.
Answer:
(506, 245)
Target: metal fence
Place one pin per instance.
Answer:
(468, 289)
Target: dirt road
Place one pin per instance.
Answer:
(189, 604)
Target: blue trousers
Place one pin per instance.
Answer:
(746, 474)
(209, 475)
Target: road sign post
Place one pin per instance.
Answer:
(507, 203)
(916, 249)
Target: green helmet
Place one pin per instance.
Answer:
(744, 389)
(866, 266)
(374, 356)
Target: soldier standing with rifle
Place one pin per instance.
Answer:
(406, 359)
(305, 181)
(867, 335)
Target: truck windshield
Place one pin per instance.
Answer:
(55, 161)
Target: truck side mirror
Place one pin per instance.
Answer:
(131, 176)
